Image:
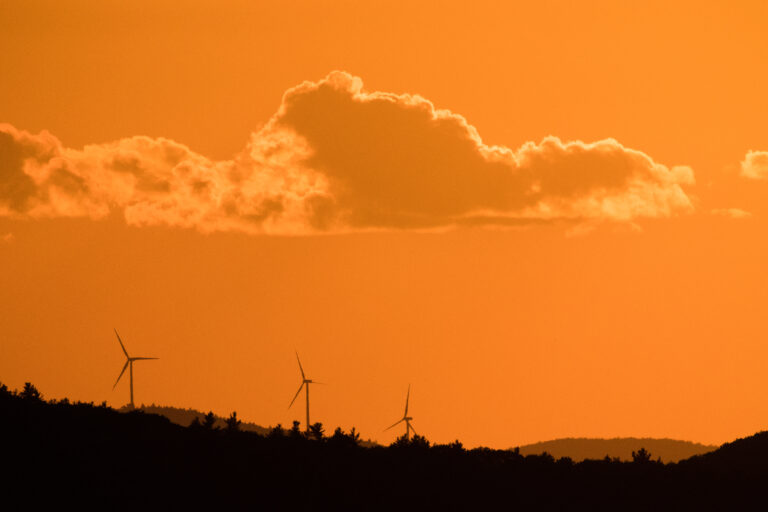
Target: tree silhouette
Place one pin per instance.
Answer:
(195, 424)
(316, 431)
(30, 392)
(233, 424)
(209, 421)
(401, 442)
(642, 456)
(341, 438)
(417, 441)
(276, 433)
(296, 430)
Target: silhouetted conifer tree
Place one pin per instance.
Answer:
(296, 430)
(233, 424)
(416, 441)
(316, 431)
(341, 438)
(30, 392)
(641, 456)
(209, 421)
(400, 442)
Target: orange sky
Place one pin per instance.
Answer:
(558, 289)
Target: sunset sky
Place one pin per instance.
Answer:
(548, 218)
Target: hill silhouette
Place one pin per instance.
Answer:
(85, 454)
(581, 448)
(742, 457)
(185, 417)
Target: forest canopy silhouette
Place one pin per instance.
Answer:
(85, 452)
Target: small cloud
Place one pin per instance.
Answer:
(733, 213)
(7, 238)
(581, 229)
(588, 227)
(630, 227)
(755, 165)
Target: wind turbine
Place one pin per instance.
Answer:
(407, 419)
(304, 382)
(128, 363)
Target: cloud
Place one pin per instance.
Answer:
(155, 182)
(755, 165)
(733, 213)
(335, 158)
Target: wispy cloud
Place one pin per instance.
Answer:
(734, 213)
(336, 158)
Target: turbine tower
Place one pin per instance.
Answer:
(407, 419)
(128, 364)
(304, 382)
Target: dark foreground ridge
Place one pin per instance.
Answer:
(86, 454)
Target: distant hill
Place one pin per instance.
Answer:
(578, 449)
(184, 417)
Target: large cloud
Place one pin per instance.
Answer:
(337, 158)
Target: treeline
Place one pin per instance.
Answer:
(86, 453)
(185, 417)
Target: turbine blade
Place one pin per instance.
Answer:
(121, 345)
(407, 397)
(412, 429)
(143, 358)
(296, 395)
(121, 374)
(323, 383)
(396, 423)
(300, 368)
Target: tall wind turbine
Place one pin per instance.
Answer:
(407, 419)
(128, 364)
(304, 382)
